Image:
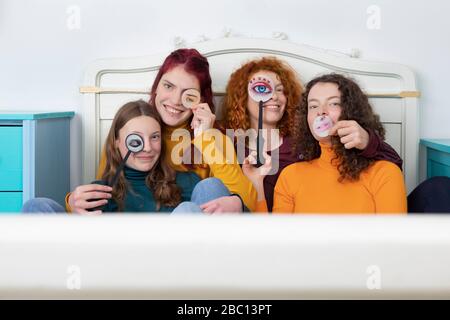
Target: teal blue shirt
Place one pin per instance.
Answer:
(142, 200)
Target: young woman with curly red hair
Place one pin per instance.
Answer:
(281, 111)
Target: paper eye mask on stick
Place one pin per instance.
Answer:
(322, 125)
(261, 88)
(134, 143)
(190, 98)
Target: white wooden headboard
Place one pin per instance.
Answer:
(109, 83)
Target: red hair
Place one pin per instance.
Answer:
(194, 63)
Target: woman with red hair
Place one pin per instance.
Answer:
(281, 113)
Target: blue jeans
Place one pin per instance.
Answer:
(206, 190)
(42, 205)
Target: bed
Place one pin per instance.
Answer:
(108, 83)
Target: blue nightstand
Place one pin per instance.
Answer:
(34, 157)
(437, 157)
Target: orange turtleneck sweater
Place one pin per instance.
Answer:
(218, 159)
(313, 187)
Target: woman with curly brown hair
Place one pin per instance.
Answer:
(333, 178)
(280, 112)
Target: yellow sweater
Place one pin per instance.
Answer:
(313, 187)
(218, 159)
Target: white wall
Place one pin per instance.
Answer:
(42, 60)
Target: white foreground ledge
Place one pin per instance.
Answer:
(224, 257)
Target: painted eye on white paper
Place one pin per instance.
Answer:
(134, 143)
(261, 88)
(190, 98)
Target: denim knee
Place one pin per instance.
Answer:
(209, 189)
(42, 205)
(187, 207)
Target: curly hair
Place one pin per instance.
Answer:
(160, 179)
(355, 106)
(236, 95)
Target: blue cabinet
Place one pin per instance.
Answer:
(34, 157)
(437, 157)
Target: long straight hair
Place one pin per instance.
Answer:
(160, 179)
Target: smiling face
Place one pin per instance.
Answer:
(150, 131)
(324, 109)
(274, 108)
(168, 99)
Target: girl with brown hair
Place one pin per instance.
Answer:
(147, 182)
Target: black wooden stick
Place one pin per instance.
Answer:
(122, 164)
(260, 138)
